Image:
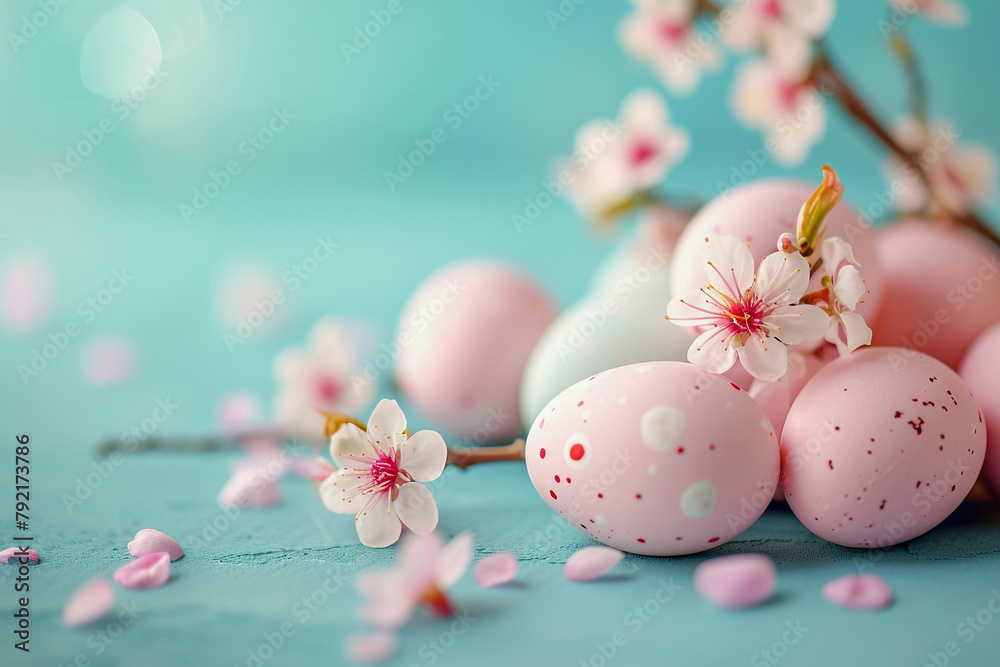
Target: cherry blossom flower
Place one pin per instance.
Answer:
(426, 569)
(752, 317)
(318, 378)
(788, 110)
(614, 160)
(845, 288)
(964, 176)
(661, 33)
(785, 29)
(378, 474)
(944, 12)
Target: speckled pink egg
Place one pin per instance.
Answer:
(981, 371)
(880, 447)
(759, 213)
(464, 339)
(941, 289)
(660, 459)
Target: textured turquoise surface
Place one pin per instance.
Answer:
(324, 176)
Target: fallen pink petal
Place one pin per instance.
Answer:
(25, 294)
(109, 361)
(91, 601)
(591, 562)
(371, 648)
(495, 570)
(15, 554)
(148, 541)
(149, 571)
(737, 581)
(251, 486)
(859, 591)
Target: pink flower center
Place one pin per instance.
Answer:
(770, 9)
(787, 92)
(671, 32)
(326, 389)
(747, 314)
(385, 470)
(641, 153)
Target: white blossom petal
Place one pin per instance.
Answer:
(387, 421)
(415, 506)
(782, 278)
(336, 492)
(349, 444)
(857, 330)
(834, 251)
(766, 360)
(731, 258)
(849, 287)
(378, 526)
(713, 350)
(799, 323)
(424, 455)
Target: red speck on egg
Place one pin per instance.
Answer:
(579, 404)
(576, 452)
(600, 495)
(712, 447)
(553, 494)
(641, 541)
(714, 539)
(557, 479)
(568, 480)
(735, 386)
(541, 454)
(680, 450)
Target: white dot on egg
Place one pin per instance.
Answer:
(623, 400)
(645, 368)
(601, 520)
(653, 469)
(662, 426)
(699, 499)
(586, 415)
(730, 405)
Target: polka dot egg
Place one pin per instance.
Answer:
(660, 459)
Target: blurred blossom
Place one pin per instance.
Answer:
(661, 33)
(945, 12)
(614, 161)
(784, 29)
(964, 176)
(248, 296)
(26, 298)
(788, 111)
(109, 360)
(321, 376)
(120, 51)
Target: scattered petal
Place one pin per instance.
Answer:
(250, 487)
(495, 570)
(591, 562)
(25, 294)
(91, 601)
(455, 558)
(374, 647)
(149, 541)
(858, 591)
(149, 571)
(737, 581)
(109, 360)
(17, 553)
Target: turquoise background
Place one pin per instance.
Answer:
(324, 176)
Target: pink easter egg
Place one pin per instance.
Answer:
(981, 371)
(880, 447)
(759, 213)
(464, 339)
(659, 458)
(941, 289)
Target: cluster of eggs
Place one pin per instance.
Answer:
(649, 454)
